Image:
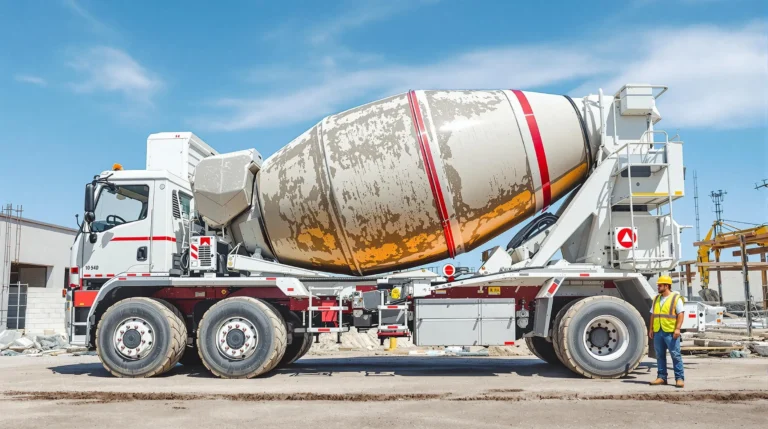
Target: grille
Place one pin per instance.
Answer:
(204, 255)
(175, 206)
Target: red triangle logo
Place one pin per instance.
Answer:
(625, 238)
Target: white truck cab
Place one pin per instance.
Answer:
(139, 216)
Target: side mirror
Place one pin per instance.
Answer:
(90, 203)
(92, 237)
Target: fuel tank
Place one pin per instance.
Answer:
(415, 178)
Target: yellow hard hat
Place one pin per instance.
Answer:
(664, 280)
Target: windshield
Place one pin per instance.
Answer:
(123, 204)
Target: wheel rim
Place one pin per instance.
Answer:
(134, 338)
(606, 338)
(236, 338)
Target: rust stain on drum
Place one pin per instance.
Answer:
(385, 197)
(295, 195)
(475, 127)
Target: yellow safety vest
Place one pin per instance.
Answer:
(665, 316)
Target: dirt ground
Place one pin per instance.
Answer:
(354, 389)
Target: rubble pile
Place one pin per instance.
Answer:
(13, 343)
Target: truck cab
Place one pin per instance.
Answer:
(136, 219)
(137, 226)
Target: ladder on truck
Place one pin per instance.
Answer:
(313, 308)
(393, 330)
(653, 162)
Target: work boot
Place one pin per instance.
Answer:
(658, 382)
(679, 383)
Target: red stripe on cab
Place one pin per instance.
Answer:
(153, 238)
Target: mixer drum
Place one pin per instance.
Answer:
(418, 177)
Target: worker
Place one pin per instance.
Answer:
(664, 329)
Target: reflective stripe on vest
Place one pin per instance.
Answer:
(665, 316)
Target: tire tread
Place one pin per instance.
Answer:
(278, 345)
(178, 337)
(567, 356)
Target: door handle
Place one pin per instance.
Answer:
(141, 254)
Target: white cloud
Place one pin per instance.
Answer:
(716, 76)
(535, 66)
(34, 80)
(94, 23)
(356, 16)
(106, 69)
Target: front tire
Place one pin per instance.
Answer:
(140, 337)
(241, 337)
(602, 337)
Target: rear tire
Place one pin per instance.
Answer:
(543, 349)
(556, 332)
(182, 350)
(241, 337)
(298, 347)
(140, 337)
(602, 337)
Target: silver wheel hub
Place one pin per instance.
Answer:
(134, 338)
(236, 338)
(606, 338)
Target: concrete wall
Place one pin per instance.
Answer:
(48, 247)
(733, 285)
(45, 311)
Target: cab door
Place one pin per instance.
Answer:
(122, 228)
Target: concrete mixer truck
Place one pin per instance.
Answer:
(241, 262)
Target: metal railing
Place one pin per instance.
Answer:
(14, 307)
(645, 158)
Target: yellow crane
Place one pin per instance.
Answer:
(722, 236)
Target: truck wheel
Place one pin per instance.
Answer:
(241, 337)
(140, 337)
(602, 337)
(298, 347)
(177, 313)
(542, 349)
(556, 331)
(308, 341)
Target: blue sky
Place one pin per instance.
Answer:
(82, 83)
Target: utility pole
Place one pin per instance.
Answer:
(763, 274)
(717, 199)
(696, 203)
(745, 274)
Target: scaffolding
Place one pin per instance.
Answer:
(11, 248)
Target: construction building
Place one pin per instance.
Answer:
(34, 268)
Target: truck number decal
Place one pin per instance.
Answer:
(91, 267)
